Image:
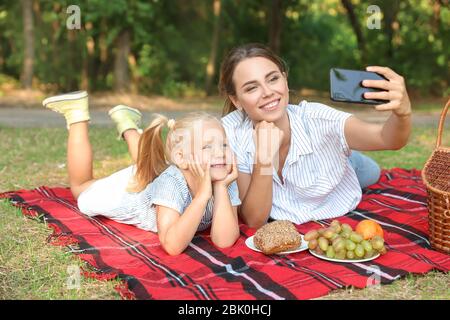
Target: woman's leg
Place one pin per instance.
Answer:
(74, 106)
(367, 170)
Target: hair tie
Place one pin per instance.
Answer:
(171, 123)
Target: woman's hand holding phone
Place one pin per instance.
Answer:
(395, 91)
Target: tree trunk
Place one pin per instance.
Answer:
(88, 57)
(74, 60)
(28, 34)
(100, 64)
(390, 11)
(134, 82)
(356, 28)
(211, 66)
(275, 17)
(121, 69)
(436, 19)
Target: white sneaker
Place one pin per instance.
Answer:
(74, 106)
(125, 118)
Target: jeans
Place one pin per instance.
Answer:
(367, 170)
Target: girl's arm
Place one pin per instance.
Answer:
(255, 190)
(394, 133)
(225, 224)
(176, 231)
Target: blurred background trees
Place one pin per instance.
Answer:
(174, 48)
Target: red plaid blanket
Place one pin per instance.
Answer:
(397, 202)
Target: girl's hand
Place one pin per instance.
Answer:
(268, 139)
(230, 177)
(395, 91)
(202, 177)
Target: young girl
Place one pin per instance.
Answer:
(176, 189)
(296, 162)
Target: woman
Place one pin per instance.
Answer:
(295, 161)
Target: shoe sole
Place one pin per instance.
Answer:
(64, 97)
(121, 107)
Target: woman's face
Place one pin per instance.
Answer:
(261, 89)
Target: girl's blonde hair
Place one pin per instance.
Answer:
(153, 153)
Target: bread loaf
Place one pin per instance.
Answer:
(277, 236)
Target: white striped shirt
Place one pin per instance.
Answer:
(108, 197)
(319, 182)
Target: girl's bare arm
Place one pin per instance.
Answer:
(225, 225)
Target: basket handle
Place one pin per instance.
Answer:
(441, 124)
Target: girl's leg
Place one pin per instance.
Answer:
(367, 170)
(79, 158)
(74, 106)
(128, 121)
(132, 139)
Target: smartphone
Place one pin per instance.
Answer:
(346, 86)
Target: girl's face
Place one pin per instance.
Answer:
(215, 148)
(208, 142)
(261, 89)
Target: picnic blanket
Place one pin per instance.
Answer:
(397, 202)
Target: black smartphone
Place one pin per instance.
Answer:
(346, 86)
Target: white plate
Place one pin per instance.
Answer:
(340, 260)
(303, 246)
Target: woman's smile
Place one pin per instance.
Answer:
(270, 106)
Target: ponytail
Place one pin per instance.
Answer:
(151, 159)
(228, 107)
(153, 153)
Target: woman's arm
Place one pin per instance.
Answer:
(256, 190)
(394, 133)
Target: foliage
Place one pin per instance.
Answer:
(171, 41)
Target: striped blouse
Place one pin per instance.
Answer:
(319, 182)
(170, 190)
(108, 197)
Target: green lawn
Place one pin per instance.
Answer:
(32, 269)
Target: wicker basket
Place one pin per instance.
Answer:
(436, 176)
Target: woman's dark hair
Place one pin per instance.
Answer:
(236, 55)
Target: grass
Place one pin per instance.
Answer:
(29, 267)
(416, 152)
(32, 269)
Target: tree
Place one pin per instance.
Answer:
(275, 24)
(356, 28)
(28, 35)
(390, 11)
(121, 69)
(211, 66)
